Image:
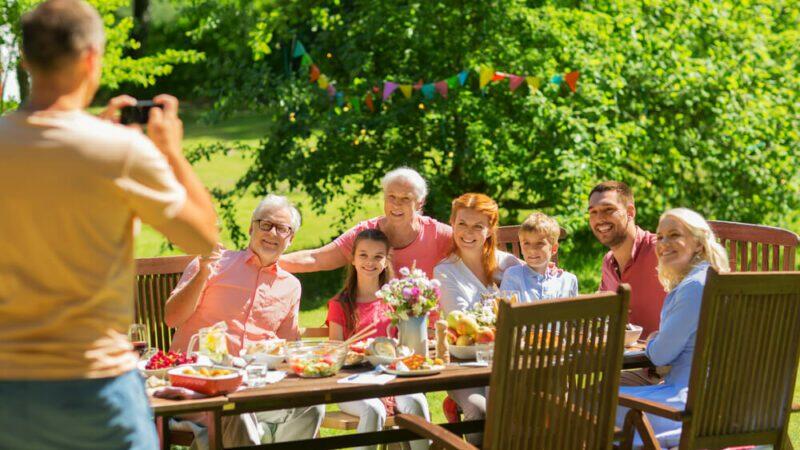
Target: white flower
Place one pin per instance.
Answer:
(404, 271)
(379, 294)
(436, 283)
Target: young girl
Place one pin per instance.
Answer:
(354, 308)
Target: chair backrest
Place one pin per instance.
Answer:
(555, 374)
(508, 240)
(155, 279)
(756, 248)
(745, 361)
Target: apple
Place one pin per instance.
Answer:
(452, 336)
(467, 326)
(464, 341)
(485, 335)
(453, 318)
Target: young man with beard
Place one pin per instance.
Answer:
(631, 259)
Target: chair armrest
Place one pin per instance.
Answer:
(651, 407)
(437, 434)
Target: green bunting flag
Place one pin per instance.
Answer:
(299, 50)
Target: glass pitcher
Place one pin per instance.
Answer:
(212, 342)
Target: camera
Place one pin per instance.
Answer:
(138, 113)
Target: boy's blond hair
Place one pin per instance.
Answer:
(539, 222)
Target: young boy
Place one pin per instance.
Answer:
(539, 279)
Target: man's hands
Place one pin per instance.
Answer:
(164, 127)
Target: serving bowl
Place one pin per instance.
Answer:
(467, 351)
(311, 359)
(632, 334)
(206, 384)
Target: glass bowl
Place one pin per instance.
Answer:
(310, 359)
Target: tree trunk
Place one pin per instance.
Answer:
(24, 83)
(141, 22)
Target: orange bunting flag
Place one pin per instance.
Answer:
(313, 74)
(514, 81)
(572, 80)
(487, 73)
(368, 101)
(441, 88)
(406, 90)
(499, 76)
(418, 85)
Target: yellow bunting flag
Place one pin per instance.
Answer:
(534, 83)
(406, 90)
(323, 81)
(487, 73)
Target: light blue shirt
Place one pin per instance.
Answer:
(532, 286)
(674, 343)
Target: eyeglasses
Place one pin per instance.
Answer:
(280, 229)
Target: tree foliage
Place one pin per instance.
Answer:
(692, 102)
(118, 66)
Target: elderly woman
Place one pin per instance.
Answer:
(415, 239)
(686, 248)
(474, 267)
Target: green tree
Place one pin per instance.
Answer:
(694, 103)
(117, 67)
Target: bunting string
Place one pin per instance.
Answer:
(486, 76)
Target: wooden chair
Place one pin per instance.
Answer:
(508, 240)
(555, 376)
(759, 248)
(744, 366)
(155, 280)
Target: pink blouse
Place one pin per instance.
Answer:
(367, 313)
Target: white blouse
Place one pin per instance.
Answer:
(461, 289)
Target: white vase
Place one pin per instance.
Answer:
(413, 333)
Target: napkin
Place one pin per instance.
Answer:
(177, 393)
(474, 364)
(367, 378)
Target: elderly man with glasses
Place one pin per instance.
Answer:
(257, 300)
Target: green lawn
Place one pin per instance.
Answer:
(223, 171)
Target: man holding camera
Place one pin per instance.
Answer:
(73, 186)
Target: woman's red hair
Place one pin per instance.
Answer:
(483, 204)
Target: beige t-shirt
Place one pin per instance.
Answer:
(70, 188)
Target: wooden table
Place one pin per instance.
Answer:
(296, 392)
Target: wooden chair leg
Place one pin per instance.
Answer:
(214, 423)
(162, 428)
(636, 420)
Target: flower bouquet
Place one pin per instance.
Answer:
(413, 295)
(411, 298)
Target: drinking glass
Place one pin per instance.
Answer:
(485, 356)
(256, 374)
(137, 333)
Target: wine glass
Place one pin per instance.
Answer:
(137, 333)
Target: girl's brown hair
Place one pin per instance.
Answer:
(347, 296)
(483, 204)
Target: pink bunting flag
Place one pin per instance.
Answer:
(514, 81)
(388, 89)
(331, 90)
(572, 80)
(441, 88)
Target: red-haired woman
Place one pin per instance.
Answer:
(473, 268)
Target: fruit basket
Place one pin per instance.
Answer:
(209, 380)
(160, 363)
(315, 359)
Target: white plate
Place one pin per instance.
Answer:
(414, 373)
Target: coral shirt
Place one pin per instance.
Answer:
(367, 313)
(433, 243)
(647, 293)
(256, 302)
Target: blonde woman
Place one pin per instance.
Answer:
(686, 248)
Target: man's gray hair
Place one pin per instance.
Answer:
(272, 202)
(410, 176)
(58, 31)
